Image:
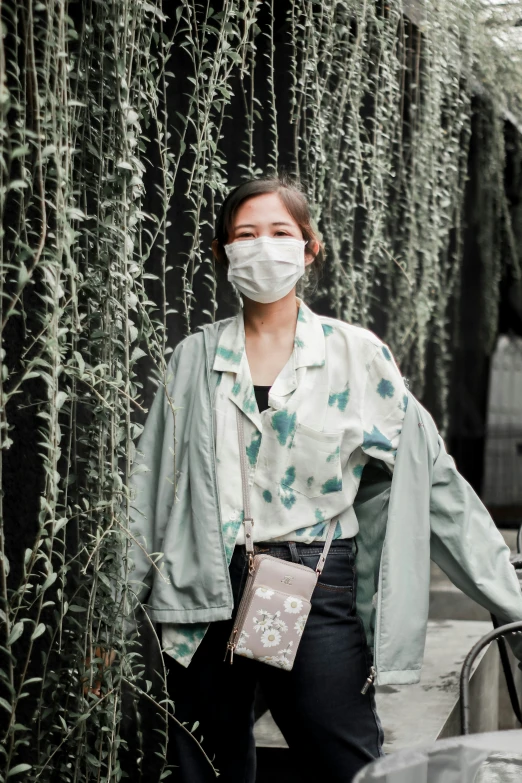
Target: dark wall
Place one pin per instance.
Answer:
(23, 471)
(472, 352)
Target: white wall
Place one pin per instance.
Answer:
(503, 453)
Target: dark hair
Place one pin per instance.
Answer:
(292, 197)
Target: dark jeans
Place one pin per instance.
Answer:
(332, 730)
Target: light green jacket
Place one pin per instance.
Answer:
(426, 509)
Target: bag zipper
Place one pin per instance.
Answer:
(232, 642)
(241, 612)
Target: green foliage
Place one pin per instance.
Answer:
(378, 111)
(74, 251)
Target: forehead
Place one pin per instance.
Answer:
(265, 208)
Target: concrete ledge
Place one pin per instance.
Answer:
(419, 714)
(447, 602)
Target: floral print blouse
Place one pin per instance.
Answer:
(339, 400)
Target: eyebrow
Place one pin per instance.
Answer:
(253, 225)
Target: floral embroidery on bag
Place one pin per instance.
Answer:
(265, 592)
(263, 622)
(242, 649)
(293, 605)
(267, 629)
(267, 620)
(282, 659)
(278, 623)
(270, 637)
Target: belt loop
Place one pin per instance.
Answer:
(292, 546)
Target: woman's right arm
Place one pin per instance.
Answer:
(151, 481)
(154, 447)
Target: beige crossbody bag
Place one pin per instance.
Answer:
(276, 600)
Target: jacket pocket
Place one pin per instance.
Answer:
(316, 457)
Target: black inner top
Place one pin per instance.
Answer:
(261, 393)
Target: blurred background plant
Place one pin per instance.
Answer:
(122, 126)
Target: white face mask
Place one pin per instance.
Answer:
(266, 268)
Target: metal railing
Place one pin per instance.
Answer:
(497, 633)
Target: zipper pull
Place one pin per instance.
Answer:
(369, 680)
(230, 649)
(231, 646)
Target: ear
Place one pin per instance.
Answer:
(311, 250)
(217, 252)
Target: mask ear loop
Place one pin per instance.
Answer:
(305, 248)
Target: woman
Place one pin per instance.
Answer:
(322, 401)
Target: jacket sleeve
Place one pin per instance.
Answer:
(467, 546)
(151, 482)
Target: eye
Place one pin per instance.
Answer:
(244, 235)
(282, 233)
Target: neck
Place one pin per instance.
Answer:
(272, 317)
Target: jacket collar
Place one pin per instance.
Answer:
(230, 356)
(231, 346)
(309, 342)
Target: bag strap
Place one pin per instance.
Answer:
(247, 519)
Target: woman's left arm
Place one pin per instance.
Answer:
(468, 547)
(464, 542)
